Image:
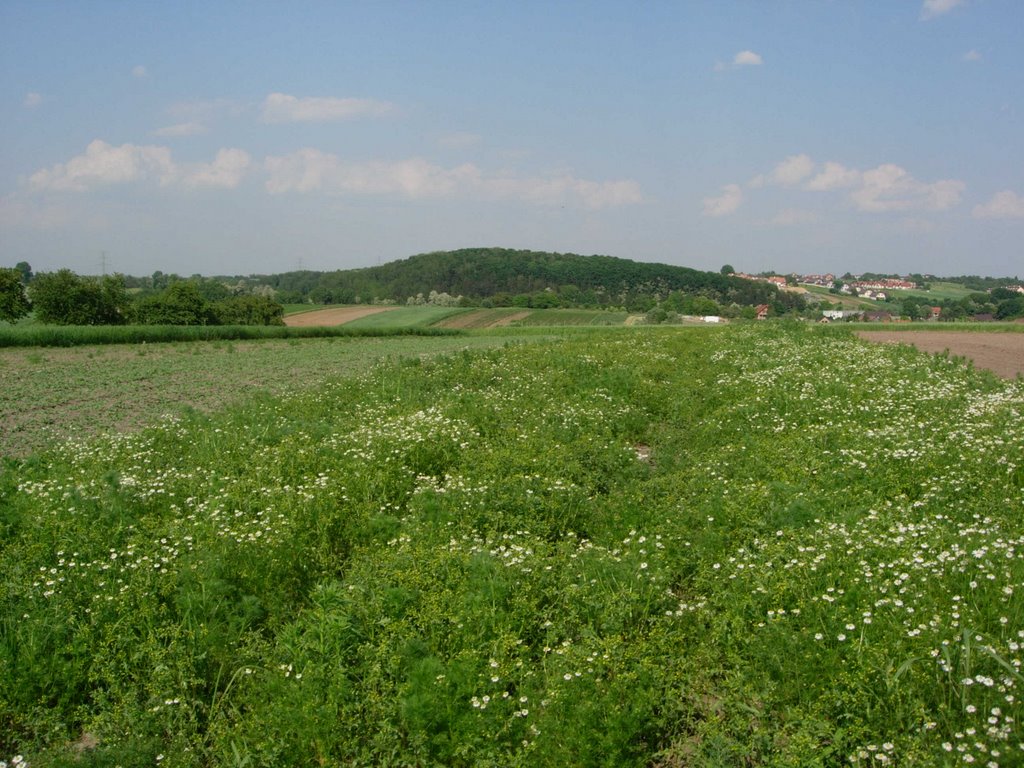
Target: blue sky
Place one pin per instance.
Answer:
(237, 138)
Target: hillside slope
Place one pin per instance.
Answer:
(479, 273)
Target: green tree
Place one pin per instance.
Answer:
(64, 298)
(727, 269)
(26, 271)
(13, 301)
(180, 304)
(702, 305)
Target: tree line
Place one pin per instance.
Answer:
(66, 298)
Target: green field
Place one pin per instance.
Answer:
(763, 545)
(819, 293)
(519, 317)
(50, 395)
(405, 317)
(939, 291)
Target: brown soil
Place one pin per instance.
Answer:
(1002, 353)
(509, 319)
(466, 320)
(332, 316)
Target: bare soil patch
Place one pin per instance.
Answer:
(332, 316)
(509, 319)
(475, 319)
(1001, 353)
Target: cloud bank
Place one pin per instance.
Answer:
(104, 165)
(314, 171)
(311, 170)
(885, 188)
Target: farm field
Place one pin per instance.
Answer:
(818, 292)
(452, 317)
(53, 394)
(754, 545)
(519, 317)
(1002, 353)
(331, 316)
(939, 291)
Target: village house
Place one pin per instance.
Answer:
(762, 311)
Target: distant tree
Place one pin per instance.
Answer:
(26, 271)
(64, 298)
(727, 269)
(14, 303)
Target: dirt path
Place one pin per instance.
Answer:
(1002, 353)
(332, 316)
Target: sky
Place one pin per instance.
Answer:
(232, 138)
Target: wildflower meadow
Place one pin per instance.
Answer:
(759, 546)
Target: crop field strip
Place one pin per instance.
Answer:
(54, 394)
(760, 545)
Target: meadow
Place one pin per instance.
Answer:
(760, 545)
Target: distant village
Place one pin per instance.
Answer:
(873, 288)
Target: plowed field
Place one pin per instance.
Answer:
(1002, 353)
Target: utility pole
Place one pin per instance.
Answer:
(103, 263)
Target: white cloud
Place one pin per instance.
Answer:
(310, 170)
(834, 176)
(226, 170)
(725, 203)
(32, 99)
(885, 188)
(932, 8)
(741, 59)
(282, 108)
(792, 170)
(105, 164)
(1003, 205)
(971, 55)
(191, 128)
(747, 58)
(139, 72)
(793, 216)
(890, 188)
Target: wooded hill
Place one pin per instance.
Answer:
(505, 276)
